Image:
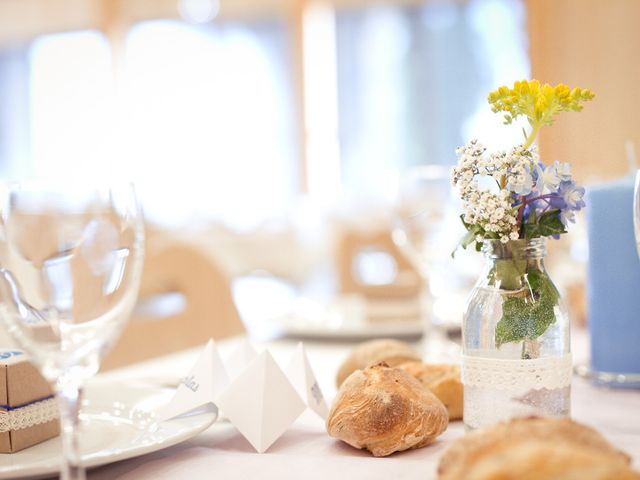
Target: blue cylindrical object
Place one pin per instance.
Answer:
(613, 284)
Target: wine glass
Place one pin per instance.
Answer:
(70, 265)
(423, 232)
(423, 196)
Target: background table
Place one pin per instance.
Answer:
(306, 450)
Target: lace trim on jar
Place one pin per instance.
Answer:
(517, 375)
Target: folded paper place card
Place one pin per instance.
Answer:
(241, 357)
(258, 398)
(205, 381)
(303, 379)
(261, 402)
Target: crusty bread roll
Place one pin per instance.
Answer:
(545, 460)
(392, 352)
(534, 448)
(443, 380)
(385, 410)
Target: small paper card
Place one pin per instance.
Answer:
(257, 397)
(206, 380)
(303, 379)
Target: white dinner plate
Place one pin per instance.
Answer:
(351, 317)
(272, 306)
(299, 328)
(118, 423)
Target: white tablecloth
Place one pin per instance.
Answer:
(306, 451)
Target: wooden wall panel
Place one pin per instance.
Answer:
(594, 44)
(22, 20)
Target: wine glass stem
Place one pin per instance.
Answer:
(69, 399)
(436, 345)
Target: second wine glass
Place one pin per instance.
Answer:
(422, 230)
(71, 259)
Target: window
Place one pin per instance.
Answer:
(413, 81)
(14, 111)
(208, 120)
(206, 117)
(71, 99)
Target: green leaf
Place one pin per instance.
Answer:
(547, 225)
(469, 237)
(540, 282)
(465, 241)
(533, 217)
(468, 226)
(529, 313)
(508, 273)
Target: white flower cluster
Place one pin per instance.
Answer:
(489, 204)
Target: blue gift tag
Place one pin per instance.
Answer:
(5, 354)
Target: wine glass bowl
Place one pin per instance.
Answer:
(423, 232)
(423, 196)
(70, 265)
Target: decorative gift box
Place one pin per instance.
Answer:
(28, 409)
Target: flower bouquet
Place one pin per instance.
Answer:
(516, 343)
(512, 198)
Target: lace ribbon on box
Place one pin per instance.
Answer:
(517, 375)
(29, 415)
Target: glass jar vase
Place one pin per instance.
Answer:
(516, 342)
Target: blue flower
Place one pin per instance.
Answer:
(563, 170)
(548, 178)
(567, 216)
(572, 194)
(557, 201)
(539, 166)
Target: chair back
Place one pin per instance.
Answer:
(176, 272)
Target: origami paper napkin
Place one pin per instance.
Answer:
(257, 397)
(242, 356)
(261, 403)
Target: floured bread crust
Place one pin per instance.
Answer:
(534, 448)
(443, 380)
(385, 410)
(392, 352)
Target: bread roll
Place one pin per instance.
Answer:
(392, 352)
(534, 448)
(385, 410)
(443, 380)
(546, 460)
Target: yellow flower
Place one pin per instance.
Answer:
(539, 103)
